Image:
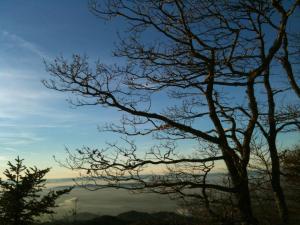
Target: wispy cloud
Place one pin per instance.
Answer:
(27, 109)
(26, 106)
(3, 158)
(23, 96)
(30, 125)
(21, 42)
(68, 202)
(9, 149)
(15, 139)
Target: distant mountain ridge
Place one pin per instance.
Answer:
(212, 176)
(127, 218)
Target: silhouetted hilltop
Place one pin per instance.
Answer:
(85, 216)
(130, 218)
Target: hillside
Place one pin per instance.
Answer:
(128, 218)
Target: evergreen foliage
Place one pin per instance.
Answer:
(21, 198)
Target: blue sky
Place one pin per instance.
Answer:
(37, 123)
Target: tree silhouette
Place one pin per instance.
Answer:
(21, 200)
(290, 160)
(215, 63)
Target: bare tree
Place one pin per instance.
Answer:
(290, 171)
(216, 62)
(261, 180)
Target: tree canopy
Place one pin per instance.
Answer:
(222, 68)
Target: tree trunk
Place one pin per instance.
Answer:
(271, 137)
(244, 201)
(281, 203)
(276, 186)
(240, 182)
